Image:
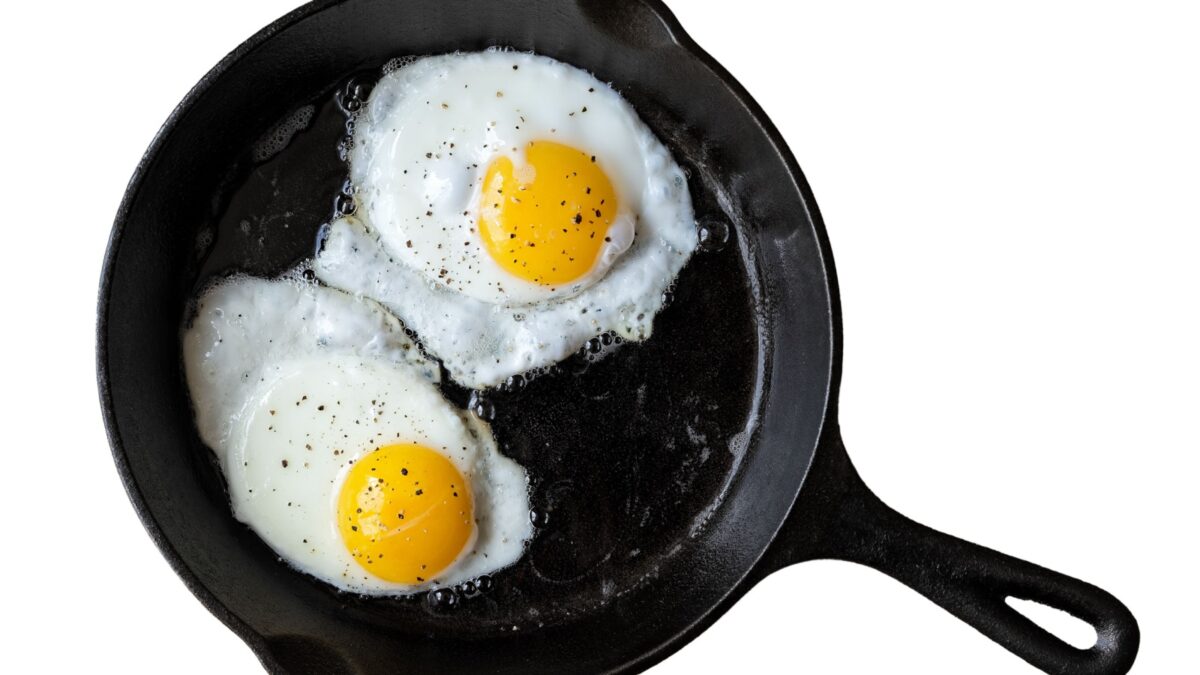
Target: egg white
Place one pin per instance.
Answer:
(292, 383)
(413, 246)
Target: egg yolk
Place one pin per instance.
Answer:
(405, 513)
(546, 221)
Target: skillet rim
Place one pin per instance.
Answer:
(256, 641)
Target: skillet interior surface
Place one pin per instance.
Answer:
(663, 468)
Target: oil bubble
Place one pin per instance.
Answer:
(481, 406)
(442, 598)
(714, 234)
(352, 96)
(514, 384)
(344, 205)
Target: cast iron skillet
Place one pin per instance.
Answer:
(670, 476)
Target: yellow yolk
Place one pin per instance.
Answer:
(405, 513)
(546, 221)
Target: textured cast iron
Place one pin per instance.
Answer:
(671, 471)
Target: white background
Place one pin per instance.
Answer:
(1012, 196)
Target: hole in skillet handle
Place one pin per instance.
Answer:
(837, 517)
(1070, 629)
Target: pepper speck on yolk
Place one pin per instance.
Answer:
(546, 221)
(405, 513)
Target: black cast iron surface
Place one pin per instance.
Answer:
(669, 472)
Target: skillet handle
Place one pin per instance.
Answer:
(842, 519)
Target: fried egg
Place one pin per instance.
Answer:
(337, 448)
(510, 207)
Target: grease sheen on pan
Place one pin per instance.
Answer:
(510, 208)
(337, 448)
